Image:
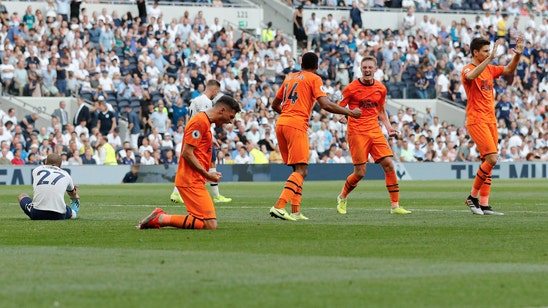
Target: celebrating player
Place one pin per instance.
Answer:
(294, 101)
(481, 123)
(199, 104)
(365, 135)
(193, 171)
(50, 183)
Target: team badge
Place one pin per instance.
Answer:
(196, 134)
(466, 70)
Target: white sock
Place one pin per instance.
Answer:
(214, 186)
(175, 190)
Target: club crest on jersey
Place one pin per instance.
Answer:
(466, 70)
(323, 88)
(196, 134)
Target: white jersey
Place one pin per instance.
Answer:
(199, 104)
(50, 184)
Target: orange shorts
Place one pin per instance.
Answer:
(485, 136)
(198, 202)
(293, 145)
(361, 145)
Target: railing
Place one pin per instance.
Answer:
(232, 3)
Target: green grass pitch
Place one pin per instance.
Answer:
(439, 256)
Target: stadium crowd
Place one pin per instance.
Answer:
(146, 69)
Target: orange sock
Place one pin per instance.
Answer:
(292, 186)
(393, 188)
(481, 176)
(181, 221)
(351, 182)
(296, 201)
(485, 191)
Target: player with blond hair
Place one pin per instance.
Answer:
(365, 135)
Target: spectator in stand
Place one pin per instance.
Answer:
(20, 77)
(106, 121)
(159, 118)
(421, 85)
(147, 158)
(17, 159)
(356, 15)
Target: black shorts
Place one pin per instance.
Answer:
(34, 214)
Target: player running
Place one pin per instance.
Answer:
(365, 135)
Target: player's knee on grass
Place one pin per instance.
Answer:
(21, 196)
(210, 224)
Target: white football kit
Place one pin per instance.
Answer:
(199, 104)
(50, 184)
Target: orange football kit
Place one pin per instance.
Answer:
(298, 93)
(481, 122)
(365, 134)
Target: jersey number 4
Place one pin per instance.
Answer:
(44, 180)
(292, 95)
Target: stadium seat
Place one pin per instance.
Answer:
(136, 109)
(122, 103)
(87, 96)
(405, 76)
(134, 102)
(156, 95)
(112, 100)
(119, 51)
(111, 93)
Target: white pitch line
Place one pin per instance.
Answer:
(319, 208)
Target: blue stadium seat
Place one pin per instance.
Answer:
(111, 93)
(122, 103)
(136, 109)
(112, 100)
(155, 96)
(86, 96)
(134, 102)
(119, 51)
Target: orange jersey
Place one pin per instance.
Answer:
(370, 99)
(298, 94)
(481, 98)
(197, 134)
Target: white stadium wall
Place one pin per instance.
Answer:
(246, 17)
(105, 175)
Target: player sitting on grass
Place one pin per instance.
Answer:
(50, 183)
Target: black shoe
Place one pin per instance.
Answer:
(473, 204)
